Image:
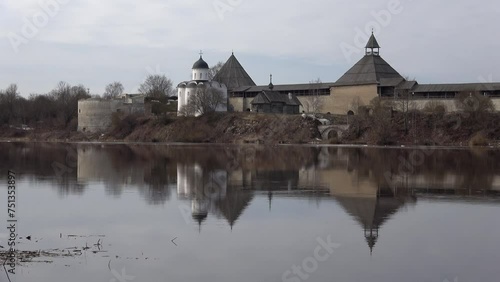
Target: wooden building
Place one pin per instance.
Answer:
(270, 101)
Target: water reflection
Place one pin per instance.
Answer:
(371, 185)
(260, 206)
(341, 172)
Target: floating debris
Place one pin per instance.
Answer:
(84, 236)
(30, 256)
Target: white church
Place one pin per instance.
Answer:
(200, 81)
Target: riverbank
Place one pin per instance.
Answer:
(248, 128)
(237, 128)
(425, 129)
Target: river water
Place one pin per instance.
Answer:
(225, 213)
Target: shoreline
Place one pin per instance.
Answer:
(427, 131)
(207, 144)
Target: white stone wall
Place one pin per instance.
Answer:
(96, 115)
(200, 74)
(449, 103)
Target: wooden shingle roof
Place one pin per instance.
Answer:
(233, 75)
(371, 69)
(286, 87)
(458, 87)
(372, 43)
(268, 96)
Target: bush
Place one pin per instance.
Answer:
(382, 131)
(73, 124)
(435, 107)
(162, 108)
(122, 127)
(164, 120)
(479, 139)
(475, 104)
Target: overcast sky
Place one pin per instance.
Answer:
(95, 42)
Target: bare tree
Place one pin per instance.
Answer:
(474, 103)
(381, 121)
(66, 99)
(59, 106)
(435, 107)
(203, 101)
(79, 91)
(9, 104)
(42, 108)
(113, 90)
(215, 69)
(10, 97)
(61, 92)
(157, 86)
(404, 103)
(313, 103)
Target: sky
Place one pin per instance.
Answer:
(96, 42)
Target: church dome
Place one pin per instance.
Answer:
(201, 64)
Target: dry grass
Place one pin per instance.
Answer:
(227, 128)
(426, 129)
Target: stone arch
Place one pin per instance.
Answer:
(332, 134)
(330, 131)
(350, 113)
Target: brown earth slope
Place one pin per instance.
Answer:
(227, 128)
(210, 128)
(422, 129)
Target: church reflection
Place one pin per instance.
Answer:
(227, 194)
(207, 191)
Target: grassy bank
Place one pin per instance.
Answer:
(414, 128)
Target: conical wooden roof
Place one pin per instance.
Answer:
(372, 43)
(371, 69)
(233, 75)
(370, 212)
(233, 205)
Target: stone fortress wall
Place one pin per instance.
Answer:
(340, 101)
(95, 115)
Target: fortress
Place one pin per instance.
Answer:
(369, 78)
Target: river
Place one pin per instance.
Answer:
(137, 212)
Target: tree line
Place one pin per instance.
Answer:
(59, 107)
